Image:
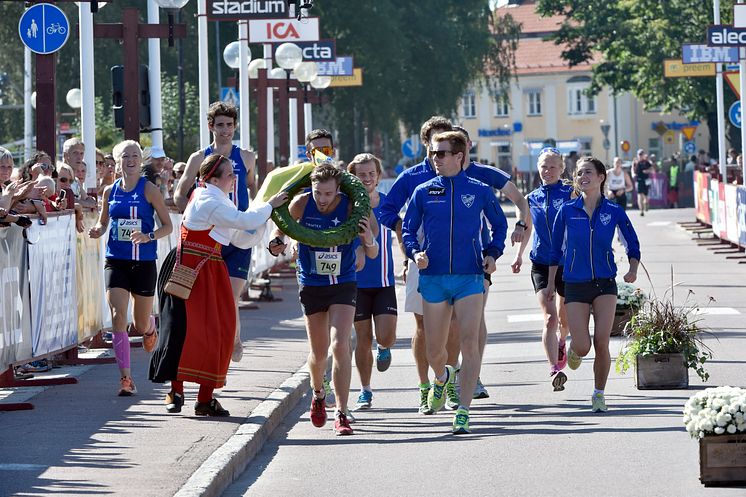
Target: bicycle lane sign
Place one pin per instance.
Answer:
(44, 28)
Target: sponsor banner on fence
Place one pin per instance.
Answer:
(722, 219)
(702, 196)
(51, 259)
(91, 291)
(741, 213)
(731, 218)
(712, 202)
(15, 313)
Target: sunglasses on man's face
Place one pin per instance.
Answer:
(63, 180)
(326, 150)
(439, 153)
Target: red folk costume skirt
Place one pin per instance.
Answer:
(195, 335)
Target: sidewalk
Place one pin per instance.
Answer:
(83, 439)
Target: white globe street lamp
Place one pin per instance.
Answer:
(306, 71)
(321, 82)
(171, 4)
(278, 73)
(288, 56)
(74, 98)
(231, 54)
(254, 67)
(33, 99)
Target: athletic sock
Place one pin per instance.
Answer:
(366, 388)
(205, 394)
(121, 343)
(442, 378)
(319, 394)
(424, 386)
(596, 391)
(464, 408)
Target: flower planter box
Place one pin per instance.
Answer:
(621, 317)
(661, 372)
(722, 460)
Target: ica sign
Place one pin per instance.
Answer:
(282, 30)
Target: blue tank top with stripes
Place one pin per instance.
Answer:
(379, 272)
(129, 212)
(240, 194)
(326, 266)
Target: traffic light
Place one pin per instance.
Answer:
(117, 96)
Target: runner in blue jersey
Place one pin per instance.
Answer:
(131, 252)
(328, 289)
(222, 122)
(583, 234)
(545, 203)
(452, 261)
(376, 288)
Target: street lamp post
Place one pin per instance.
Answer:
(288, 57)
(318, 83)
(306, 72)
(235, 58)
(605, 128)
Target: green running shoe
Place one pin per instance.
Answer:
(424, 409)
(573, 359)
(461, 422)
(598, 403)
(330, 400)
(452, 397)
(436, 398)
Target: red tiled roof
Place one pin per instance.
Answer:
(534, 55)
(525, 13)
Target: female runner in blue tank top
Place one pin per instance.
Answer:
(376, 290)
(328, 289)
(131, 252)
(544, 203)
(582, 235)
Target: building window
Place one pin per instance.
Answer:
(585, 145)
(503, 158)
(469, 103)
(502, 106)
(534, 102)
(578, 102)
(654, 147)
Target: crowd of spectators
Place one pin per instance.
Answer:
(30, 191)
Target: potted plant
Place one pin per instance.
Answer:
(629, 300)
(663, 342)
(717, 418)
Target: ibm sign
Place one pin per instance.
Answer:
(232, 10)
(699, 54)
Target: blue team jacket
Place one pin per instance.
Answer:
(409, 179)
(450, 211)
(544, 204)
(588, 253)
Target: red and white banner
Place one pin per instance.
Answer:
(15, 314)
(282, 30)
(54, 296)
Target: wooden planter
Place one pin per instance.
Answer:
(722, 460)
(621, 317)
(661, 372)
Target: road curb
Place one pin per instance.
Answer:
(230, 460)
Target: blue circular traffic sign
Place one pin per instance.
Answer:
(690, 147)
(734, 114)
(411, 148)
(44, 28)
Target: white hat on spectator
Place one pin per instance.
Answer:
(153, 153)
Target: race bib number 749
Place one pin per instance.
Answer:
(328, 263)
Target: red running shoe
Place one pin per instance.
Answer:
(342, 424)
(562, 356)
(318, 412)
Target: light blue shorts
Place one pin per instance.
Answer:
(436, 288)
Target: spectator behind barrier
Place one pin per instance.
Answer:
(6, 166)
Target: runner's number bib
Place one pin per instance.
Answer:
(328, 263)
(125, 228)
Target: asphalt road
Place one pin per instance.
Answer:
(526, 440)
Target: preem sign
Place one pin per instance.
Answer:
(225, 10)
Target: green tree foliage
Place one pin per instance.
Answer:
(417, 60)
(629, 40)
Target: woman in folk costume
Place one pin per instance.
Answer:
(197, 326)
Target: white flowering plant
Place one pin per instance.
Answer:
(716, 411)
(629, 296)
